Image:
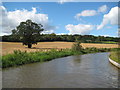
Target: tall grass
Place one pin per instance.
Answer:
(20, 58)
(115, 56)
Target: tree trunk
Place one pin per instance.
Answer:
(29, 45)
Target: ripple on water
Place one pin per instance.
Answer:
(81, 71)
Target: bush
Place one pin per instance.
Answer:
(76, 46)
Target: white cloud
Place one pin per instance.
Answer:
(85, 13)
(63, 1)
(11, 19)
(106, 35)
(61, 34)
(79, 29)
(111, 17)
(103, 8)
(48, 32)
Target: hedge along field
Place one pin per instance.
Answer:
(24, 57)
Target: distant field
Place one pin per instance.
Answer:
(108, 42)
(9, 47)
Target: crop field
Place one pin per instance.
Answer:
(9, 47)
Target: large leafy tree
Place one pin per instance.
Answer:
(29, 32)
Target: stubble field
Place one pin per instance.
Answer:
(9, 47)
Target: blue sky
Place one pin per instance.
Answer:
(61, 18)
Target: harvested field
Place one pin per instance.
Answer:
(9, 47)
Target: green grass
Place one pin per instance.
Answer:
(115, 56)
(109, 42)
(20, 58)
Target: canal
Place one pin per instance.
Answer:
(80, 71)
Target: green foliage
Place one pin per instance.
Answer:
(94, 50)
(0, 61)
(68, 38)
(20, 58)
(29, 32)
(108, 42)
(115, 56)
(76, 46)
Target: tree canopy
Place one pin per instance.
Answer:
(28, 32)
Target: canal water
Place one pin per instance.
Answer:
(80, 71)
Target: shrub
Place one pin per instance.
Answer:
(76, 46)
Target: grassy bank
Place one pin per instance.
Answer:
(115, 56)
(20, 58)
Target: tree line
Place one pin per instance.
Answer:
(67, 38)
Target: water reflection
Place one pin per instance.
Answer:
(77, 59)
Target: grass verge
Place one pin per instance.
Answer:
(20, 58)
(115, 56)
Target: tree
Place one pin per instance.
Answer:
(29, 32)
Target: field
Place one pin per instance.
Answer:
(9, 47)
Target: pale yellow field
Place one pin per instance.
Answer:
(9, 47)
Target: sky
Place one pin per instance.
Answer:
(83, 18)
